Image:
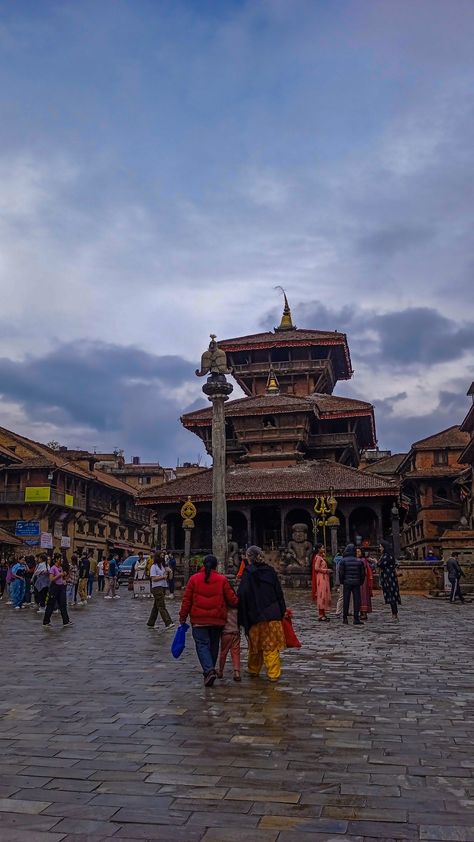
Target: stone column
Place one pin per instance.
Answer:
(187, 552)
(395, 529)
(333, 540)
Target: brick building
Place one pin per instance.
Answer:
(61, 494)
(429, 476)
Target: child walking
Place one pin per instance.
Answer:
(230, 642)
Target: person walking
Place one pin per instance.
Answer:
(100, 576)
(206, 599)
(84, 567)
(336, 562)
(91, 577)
(171, 564)
(29, 570)
(388, 578)
(261, 610)
(41, 581)
(159, 585)
(455, 573)
(72, 581)
(352, 576)
(230, 642)
(321, 588)
(57, 594)
(17, 585)
(112, 578)
(3, 576)
(367, 586)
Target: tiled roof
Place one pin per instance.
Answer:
(8, 454)
(388, 465)
(7, 538)
(286, 337)
(452, 437)
(293, 338)
(467, 425)
(43, 457)
(276, 404)
(304, 480)
(437, 471)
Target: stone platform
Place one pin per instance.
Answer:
(368, 736)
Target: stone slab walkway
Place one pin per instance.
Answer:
(369, 736)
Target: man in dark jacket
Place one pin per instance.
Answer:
(351, 576)
(454, 574)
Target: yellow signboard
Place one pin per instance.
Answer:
(68, 500)
(38, 494)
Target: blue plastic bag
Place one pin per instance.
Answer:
(179, 640)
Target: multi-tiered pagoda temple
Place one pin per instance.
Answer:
(287, 442)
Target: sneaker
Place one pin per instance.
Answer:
(115, 597)
(210, 678)
(17, 608)
(170, 626)
(105, 597)
(358, 623)
(9, 602)
(47, 625)
(89, 597)
(69, 623)
(40, 611)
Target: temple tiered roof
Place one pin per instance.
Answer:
(302, 481)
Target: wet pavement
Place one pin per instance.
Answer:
(369, 735)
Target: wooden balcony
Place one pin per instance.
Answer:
(286, 367)
(57, 498)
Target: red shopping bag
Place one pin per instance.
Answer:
(291, 640)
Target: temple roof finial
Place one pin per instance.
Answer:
(273, 386)
(286, 320)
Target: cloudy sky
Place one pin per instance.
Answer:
(163, 165)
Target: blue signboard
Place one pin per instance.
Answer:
(27, 529)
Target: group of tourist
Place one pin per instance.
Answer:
(354, 576)
(56, 584)
(217, 613)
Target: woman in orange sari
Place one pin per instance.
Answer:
(321, 589)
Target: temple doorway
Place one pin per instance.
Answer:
(238, 522)
(266, 526)
(363, 526)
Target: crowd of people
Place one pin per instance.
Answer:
(217, 612)
(354, 571)
(49, 583)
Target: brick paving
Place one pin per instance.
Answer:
(369, 736)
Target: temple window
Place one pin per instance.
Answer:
(269, 422)
(441, 457)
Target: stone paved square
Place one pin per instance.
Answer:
(369, 735)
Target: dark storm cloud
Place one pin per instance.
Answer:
(398, 433)
(414, 336)
(124, 396)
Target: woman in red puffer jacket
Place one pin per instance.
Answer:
(205, 599)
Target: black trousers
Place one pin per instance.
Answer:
(455, 591)
(56, 597)
(41, 596)
(347, 591)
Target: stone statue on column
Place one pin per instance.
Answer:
(217, 389)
